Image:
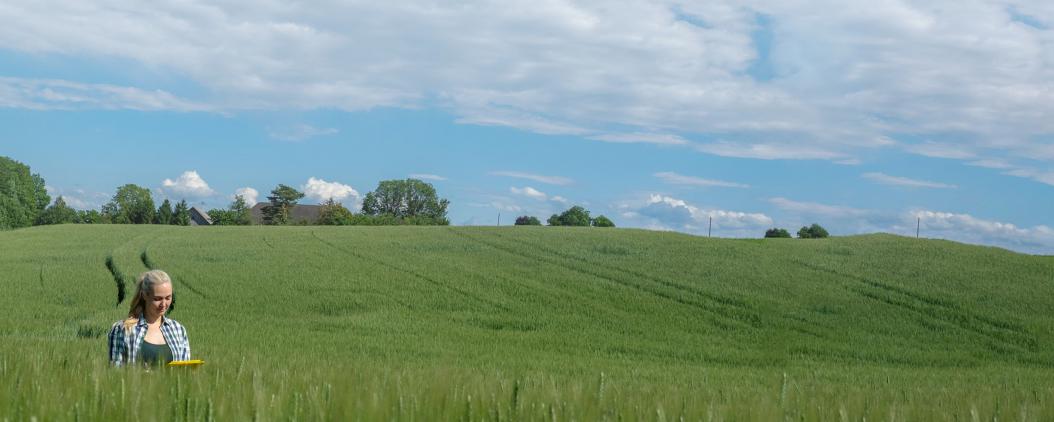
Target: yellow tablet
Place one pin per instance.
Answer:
(191, 363)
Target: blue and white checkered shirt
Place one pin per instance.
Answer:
(124, 344)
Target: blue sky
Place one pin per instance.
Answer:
(660, 115)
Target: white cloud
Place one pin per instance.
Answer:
(678, 179)
(644, 138)
(939, 150)
(188, 184)
(53, 94)
(529, 192)
(78, 198)
(970, 229)
(1046, 177)
(904, 181)
(552, 180)
(813, 208)
(667, 212)
(423, 176)
(771, 151)
(560, 199)
(300, 132)
(321, 190)
(250, 195)
(840, 77)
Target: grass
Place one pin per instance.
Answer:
(529, 323)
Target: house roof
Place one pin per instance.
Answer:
(201, 214)
(309, 213)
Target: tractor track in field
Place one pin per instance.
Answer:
(716, 315)
(725, 301)
(42, 288)
(409, 272)
(150, 264)
(1005, 332)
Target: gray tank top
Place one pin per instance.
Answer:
(154, 354)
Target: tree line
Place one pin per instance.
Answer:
(815, 231)
(24, 202)
(574, 216)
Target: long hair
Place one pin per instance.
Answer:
(144, 287)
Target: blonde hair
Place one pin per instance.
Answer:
(144, 286)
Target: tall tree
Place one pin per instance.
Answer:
(22, 195)
(58, 213)
(181, 216)
(574, 216)
(282, 199)
(403, 199)
(130, 205)
(90, 217)
(164, 213)
(333, 213)
(240, 213)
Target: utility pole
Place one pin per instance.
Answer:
(710, 226)
(499, 218)
(918, 224)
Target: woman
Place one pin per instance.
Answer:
(146, 335)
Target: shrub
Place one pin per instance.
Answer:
(526, 220)
(777, 232)
(602, 221)
(815, 231)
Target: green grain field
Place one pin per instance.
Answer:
(521, 323)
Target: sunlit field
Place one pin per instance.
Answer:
(529, 323)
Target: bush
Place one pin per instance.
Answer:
(602, 221)
(777, 233)
(574, 216)
(815, 231)
(526, 220)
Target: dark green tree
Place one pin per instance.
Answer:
(574, 216)
(411, 199)
(164, 213)
(526, 220)
(777, 233)
(23, 196)
(282, 199)
(602, 221)
(220, 217)
(181, 216)
(240, 212)
(58, 213)
(815, 231)
(130, 205)
(333, 213)
(90, 217)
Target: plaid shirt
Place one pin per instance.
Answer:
(124, 344)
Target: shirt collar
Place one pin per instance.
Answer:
(142, 320)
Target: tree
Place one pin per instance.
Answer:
(239, 212)
(333, 213)
(574, 216)
(602, 221)
(528, 221)
(164, 213)
(91, 217)
(409, 201)
(58, 213)
(130, 205)
(220, 217)
(282, 199)
(777, 232)
(815, 231)
(181, 216)
(23, 196)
